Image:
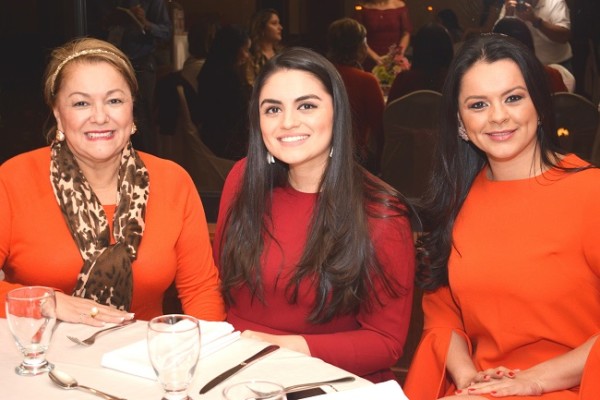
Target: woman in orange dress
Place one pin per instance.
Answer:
(511, 263)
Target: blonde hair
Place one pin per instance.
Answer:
(85, 50)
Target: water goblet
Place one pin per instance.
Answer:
(31, 317)
(174, 349)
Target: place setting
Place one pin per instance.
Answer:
(176, 355)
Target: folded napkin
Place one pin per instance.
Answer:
(389, 390)
(133, 358)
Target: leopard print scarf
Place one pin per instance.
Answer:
(106, 275)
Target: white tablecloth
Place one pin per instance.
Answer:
(284, 366)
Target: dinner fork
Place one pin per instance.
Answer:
(92, 339)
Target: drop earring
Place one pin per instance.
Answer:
(462, 132)
(133, 129)
(60, 135)
(331, 153)
(270, 158)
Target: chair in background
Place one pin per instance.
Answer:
(596, 151)
(410, 124)
(207, 170)
(577, 121)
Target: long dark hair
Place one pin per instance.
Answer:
(457, 162)
(339, 254)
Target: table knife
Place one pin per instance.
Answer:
(225, 375)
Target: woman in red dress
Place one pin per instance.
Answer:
(387, 24)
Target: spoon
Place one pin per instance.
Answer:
(66, 381)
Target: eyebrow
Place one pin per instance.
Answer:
(503, 93)
(297, 100)
(109, 93)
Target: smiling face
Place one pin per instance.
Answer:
(296, 121)
(94, 108)
(500, 118)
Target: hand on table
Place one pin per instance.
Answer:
(86, 311)
(292, 342)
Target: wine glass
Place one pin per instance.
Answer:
(31, 317)
(174, 349)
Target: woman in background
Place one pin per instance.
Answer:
(387, 24)
(265, 34)
(347, 50)
(432, 55)
(316, 253)
(511, 262)
(223, 93)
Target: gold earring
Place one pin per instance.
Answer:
(133, 129)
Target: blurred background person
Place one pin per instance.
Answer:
(447, 17)
(224, 92)
(200, 36)
(550, 25)
(139, 28)
(432, 54)
(518, 29)
(347, 49)
(387, 24)
(266, 35)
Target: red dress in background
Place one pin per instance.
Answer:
(366, 100)
(384, 28)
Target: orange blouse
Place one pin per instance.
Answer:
(524, 280)
(36, 247)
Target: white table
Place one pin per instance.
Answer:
(284, 366)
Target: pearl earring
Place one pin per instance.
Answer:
(60, 135)
(133, 129)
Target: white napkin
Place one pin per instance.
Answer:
(389, 390)
(133, 358)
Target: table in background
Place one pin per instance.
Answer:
(83, 363)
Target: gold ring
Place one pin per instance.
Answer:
(94, 311)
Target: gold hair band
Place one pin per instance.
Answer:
(75, 55)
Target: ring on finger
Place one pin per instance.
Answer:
(94, 312)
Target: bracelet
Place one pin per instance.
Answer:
(537, 23)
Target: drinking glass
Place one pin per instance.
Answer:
(256, 388)
(174, 349)
(31, 317)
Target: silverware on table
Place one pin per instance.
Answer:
(92, 339)
(225, 375)
(293, 388)
(66, 381)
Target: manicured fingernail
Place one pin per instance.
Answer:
(511, 373)
(498, 373)
(472, 389)
(459, 391)
(493, 392)
(486, 378)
